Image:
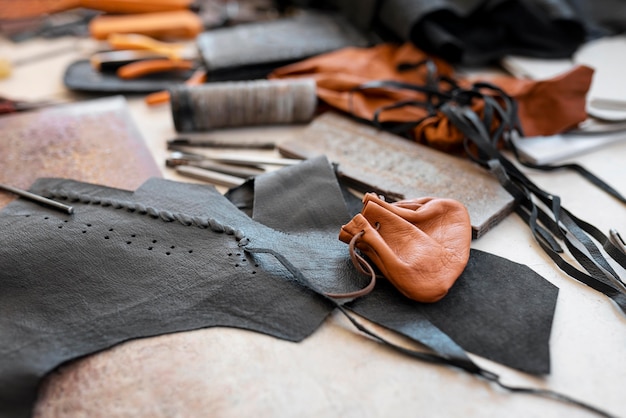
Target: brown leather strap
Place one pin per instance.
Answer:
(362, 266)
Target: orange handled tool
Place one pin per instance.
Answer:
(141, 68)
(11, 9)
(171, 50)
(183, 24)
(173, 56)
(163, 96)
(134, 6)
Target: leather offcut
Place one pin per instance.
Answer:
(126, 265)
(420, 245)
(497, 309)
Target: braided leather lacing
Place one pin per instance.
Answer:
(141, 209)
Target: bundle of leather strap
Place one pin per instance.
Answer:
(401, 88)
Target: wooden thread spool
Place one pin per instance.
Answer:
(244, 103)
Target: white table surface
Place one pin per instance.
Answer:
(337, 371)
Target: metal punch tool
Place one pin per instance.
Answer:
(37, 198)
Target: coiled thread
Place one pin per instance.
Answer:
(244, 103)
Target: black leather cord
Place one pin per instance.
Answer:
(461, 362)
(597, 273)
(483, 144)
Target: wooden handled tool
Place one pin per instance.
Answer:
(182, 24)
(163, 96)
(170, 56)
(142, 68)
(134, 41)
(11, 9)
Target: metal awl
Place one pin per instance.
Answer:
(37, 198)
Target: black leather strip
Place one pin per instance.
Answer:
(599, 274)
(441, 348)
(483, 145)
(592, 178)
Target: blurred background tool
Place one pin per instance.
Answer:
(174, 51)
(230, 169)
(209, 176)
(7, 66)
(214, 143)
(163, 96)
(161, 18)
(137, 55)
(69, 23)
(142, 68)
(111, 61)
(22, 9)
(185, 23)
(176, 24)
(8, 105)
(80, 76)
(234, 159)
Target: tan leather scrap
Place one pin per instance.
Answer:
(420, 245)
(546, 107)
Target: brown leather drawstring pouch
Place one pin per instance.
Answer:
(420, 245)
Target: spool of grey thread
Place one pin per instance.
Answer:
(242, 103)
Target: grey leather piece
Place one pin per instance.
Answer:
(497, 309)
(76, 284)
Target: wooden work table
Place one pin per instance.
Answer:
(222, 372)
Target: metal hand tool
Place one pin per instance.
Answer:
(37, 198)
